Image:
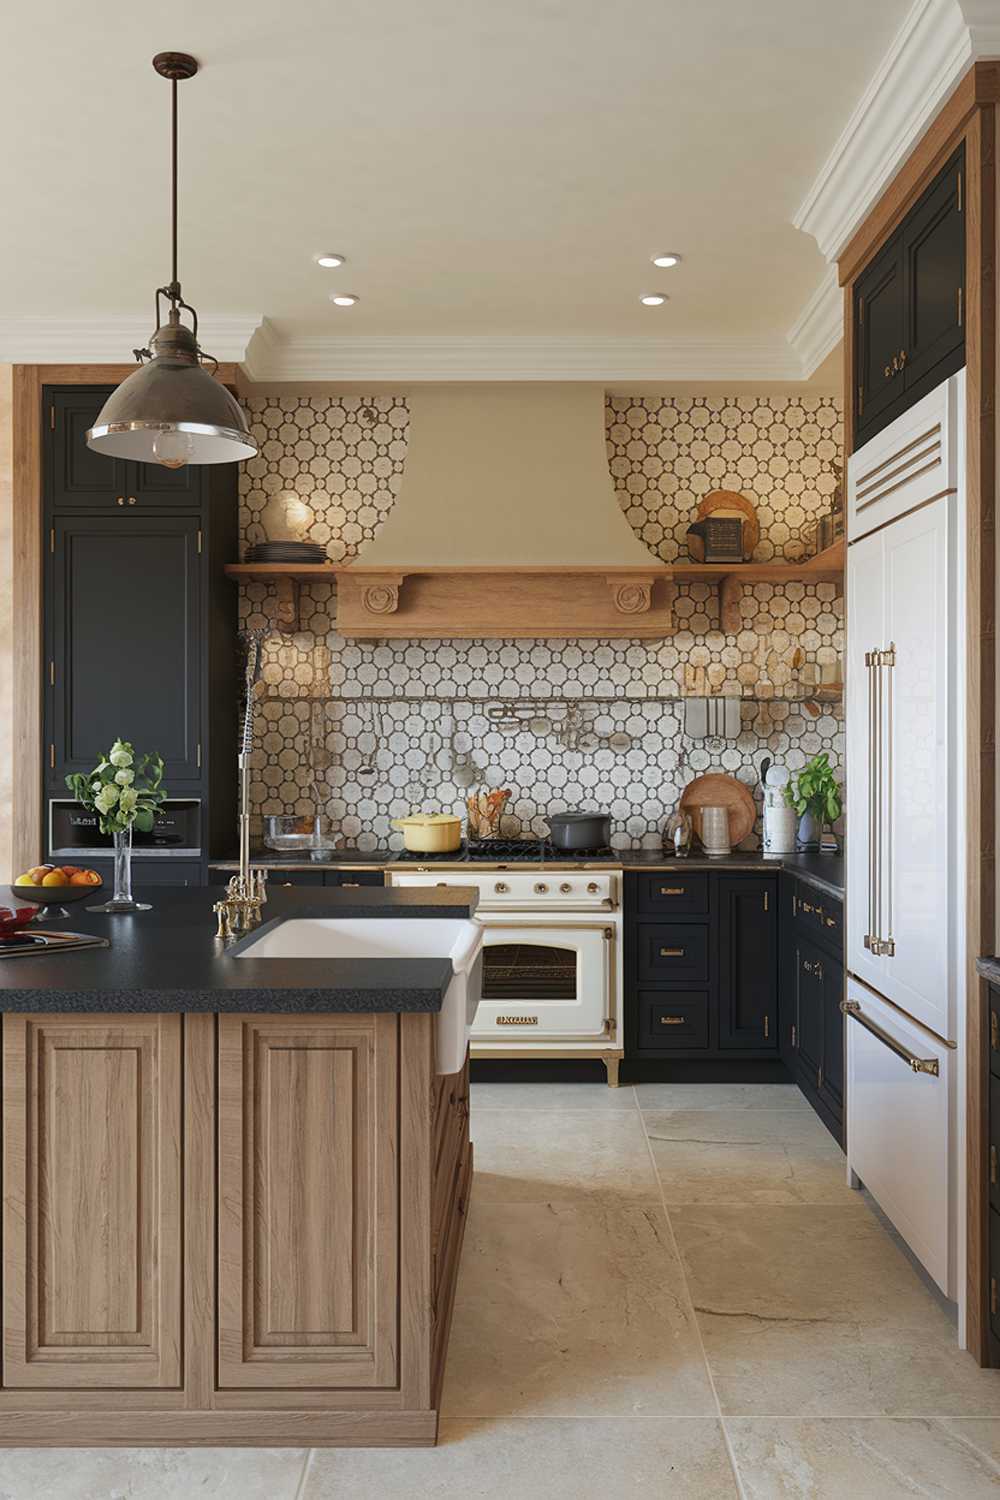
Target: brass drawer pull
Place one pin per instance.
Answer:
(672, 890)
(994, 1032)
(671, 952)
(994, 1178)
(671, 1020)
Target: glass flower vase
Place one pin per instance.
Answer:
(122, 900)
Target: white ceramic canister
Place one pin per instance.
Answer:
(780, 820)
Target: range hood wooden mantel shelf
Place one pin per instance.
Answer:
(526, 602)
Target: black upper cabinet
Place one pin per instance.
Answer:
(909, 315)
(76, 476)
(748, 979)
(80, 479)
(126, 646)
(880, 336)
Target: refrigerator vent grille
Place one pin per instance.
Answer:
(920, 455)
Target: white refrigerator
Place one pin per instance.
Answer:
(905, 674)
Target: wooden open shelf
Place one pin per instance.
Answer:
(529, 601)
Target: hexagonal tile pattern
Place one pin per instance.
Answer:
(329, 470)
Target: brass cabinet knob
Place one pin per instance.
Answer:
(500, 887)
(593, 888)
(540, 888)
(120, 500)
(565, 888)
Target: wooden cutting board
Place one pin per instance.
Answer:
(718, 790)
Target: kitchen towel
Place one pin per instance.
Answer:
(712, 718)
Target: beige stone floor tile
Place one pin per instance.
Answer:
(540, 1156)
(814, 1311)
(751, 1156)
(572, 1310)
(551, 1096)
(880, 1459)
(150, 1473)
(645, 1459)
(720, 1096)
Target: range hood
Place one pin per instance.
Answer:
(507, 524)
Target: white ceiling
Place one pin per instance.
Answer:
(489, 169)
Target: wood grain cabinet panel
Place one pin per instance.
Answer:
(92, 1201)
(308, 1201)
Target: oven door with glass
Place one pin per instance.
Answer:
(546, 979)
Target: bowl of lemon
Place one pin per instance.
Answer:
(53, 887)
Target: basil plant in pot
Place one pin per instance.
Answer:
(125, 795)
(815, 793)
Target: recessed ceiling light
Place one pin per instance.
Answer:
(652, 299)
(666, 260)
(343, 299)
(329, 259)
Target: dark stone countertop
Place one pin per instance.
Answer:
(169, 959)
(825, 872)
(989, 968)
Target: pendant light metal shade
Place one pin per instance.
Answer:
(173, 394)
(173, 410)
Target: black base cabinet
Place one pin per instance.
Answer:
(701, 965)
(993, 1172)
(724, 968)
(812, 987)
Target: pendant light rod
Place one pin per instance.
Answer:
(176, 66)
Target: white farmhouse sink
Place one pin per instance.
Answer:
(457, 939)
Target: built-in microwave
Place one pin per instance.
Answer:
(176, 831)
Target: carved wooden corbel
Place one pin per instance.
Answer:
(381, 595)
(632, 596)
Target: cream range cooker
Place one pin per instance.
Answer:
(552, 960)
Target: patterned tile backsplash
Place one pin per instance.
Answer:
(329, 470)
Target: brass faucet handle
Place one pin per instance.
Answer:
(224, 928)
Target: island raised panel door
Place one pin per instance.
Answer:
(308, 1201)
(92, 1250)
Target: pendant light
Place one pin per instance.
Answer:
(172, 410)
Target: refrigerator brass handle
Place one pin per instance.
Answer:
(869, 668)
(889, 662)
(916, 1064)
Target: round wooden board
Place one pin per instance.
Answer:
(718, 790)
(732, 503)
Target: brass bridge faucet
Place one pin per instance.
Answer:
(247, 891)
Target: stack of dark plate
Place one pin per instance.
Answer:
(286, 552)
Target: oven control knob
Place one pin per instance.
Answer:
(500, 888)
(593, 888)
(541, 888)
(565, 888)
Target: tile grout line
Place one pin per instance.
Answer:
(740, 1491)
(300, 1488)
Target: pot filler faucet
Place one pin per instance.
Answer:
(247, 891)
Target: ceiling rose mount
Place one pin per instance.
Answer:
(172, 410)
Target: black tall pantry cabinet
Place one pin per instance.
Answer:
(139, 619)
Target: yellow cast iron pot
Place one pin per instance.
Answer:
(430, 833)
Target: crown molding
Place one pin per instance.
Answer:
(819, 327)
(271, 359)
(111, 340)
(929, 54)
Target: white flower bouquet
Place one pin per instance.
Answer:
(121, 792)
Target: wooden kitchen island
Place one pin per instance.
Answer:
(234, 1192)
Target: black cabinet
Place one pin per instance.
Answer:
(812, 1023)
(701, 965)
(139, 616)
(126, 645)
(78, 478)
(908, 307)
(748, 958)
(151, 872)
